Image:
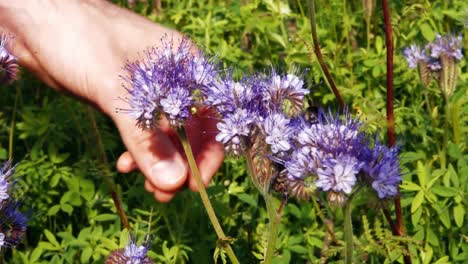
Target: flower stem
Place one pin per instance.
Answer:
(182, 133)
(318, 54)
(106, 172)
(275, 219)
(12, 125)
(348, 232)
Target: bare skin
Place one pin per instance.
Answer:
(78, 47)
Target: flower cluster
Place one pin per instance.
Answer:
(266, 104)
(336, 155)
(430, 56)
(166, 82)
(438, 59)
(8, 62)
(261, 117)
(131, 254)
(12, 221)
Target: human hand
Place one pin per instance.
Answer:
(80, 47)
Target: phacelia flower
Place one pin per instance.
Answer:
(279, 90)
(448, 45)
(176, 105)
(383, 170)
(233, 128)
(8, 62)
(5, 174)
(131, 254)
(165, 82)
(414, 55)
(338, 175)
(278, 133)
(12, 223)
(331, 152)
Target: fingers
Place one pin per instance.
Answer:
(126, 163)
(208, 160)
(209, 154)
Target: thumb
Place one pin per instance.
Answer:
(154, 154)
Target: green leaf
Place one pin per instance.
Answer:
(67, 208)
(443, 260)
(106, 217)
(444, 191)
(416, 216)
(51, 238)
(86, 255)
(36, 254)
(410, 186)
(427, 32)
(418, 200)
(459, 214)
(53, 210)
(423, 173)
(48, 246)
(432, 237)
(247, 198)
(444, 217)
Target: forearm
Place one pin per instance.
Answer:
(79, 46)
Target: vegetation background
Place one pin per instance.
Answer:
(62, 174)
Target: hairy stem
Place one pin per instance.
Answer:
(275, 219)
(318, 54)
(107, 176)
(182, 133)
(348, 232)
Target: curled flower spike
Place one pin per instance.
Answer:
(131, 254)
(8, 62)
(281, 90)
(165, 83)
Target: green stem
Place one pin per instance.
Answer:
(12, 125)
(204, 196)
(106, 172)
(274, 218)
(443, 160)
(348, 233)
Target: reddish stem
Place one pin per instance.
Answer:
(318, 53)
(390, 116)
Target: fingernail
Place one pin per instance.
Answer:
(167, 174)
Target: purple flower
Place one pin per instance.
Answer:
(448, 45)
(5, 174)
(338, 175)
(8, 62)
(333, 150)
(177, 105)
(414, 55)
(233, 128)
(12, 223)
(131, 254)
(278, 132)
(383, 170)
(135, 254)
(165, 81)
(301, 163)
(280, 89)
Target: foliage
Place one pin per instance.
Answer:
(74, 218)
